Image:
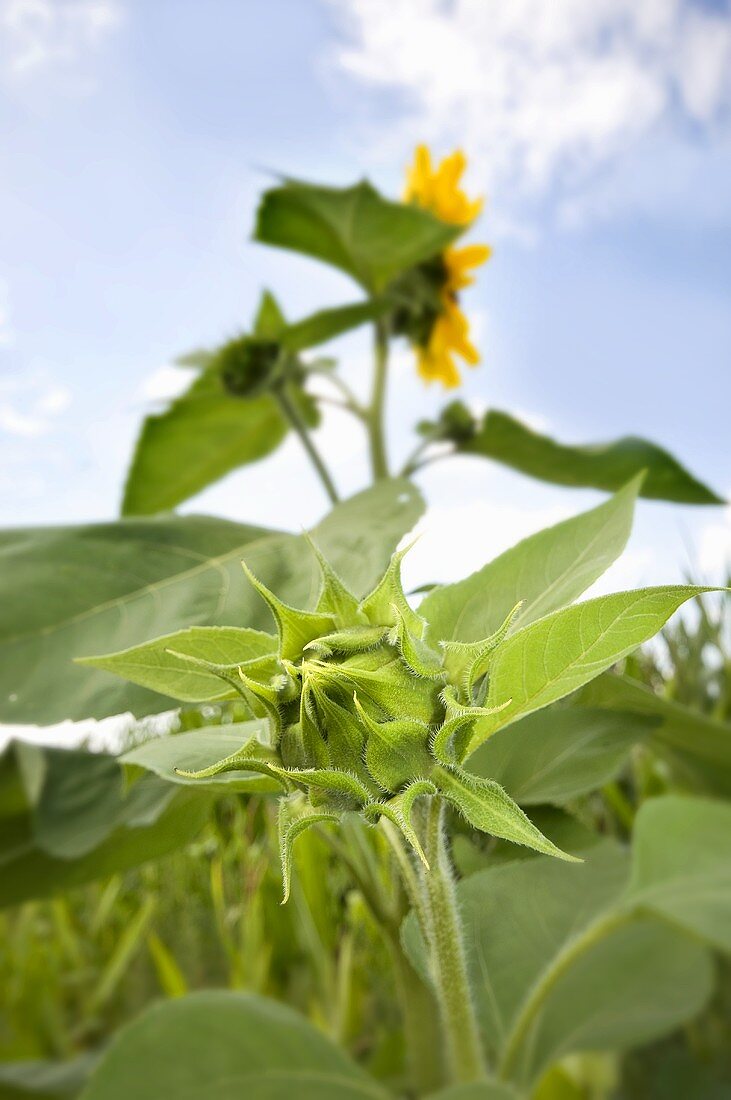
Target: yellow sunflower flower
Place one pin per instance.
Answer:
(437, 189)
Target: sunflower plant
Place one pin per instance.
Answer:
(539, 844)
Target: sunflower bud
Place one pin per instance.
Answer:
(248, 366)
(367, 714)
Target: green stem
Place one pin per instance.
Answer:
(539, 992)
(292, 414)
(465, 1062)
(374, 416)
(421, 1031)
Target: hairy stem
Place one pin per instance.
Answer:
(293, 416)
(421, 1030)
(374, 419)
(444, 938)
(573, 950)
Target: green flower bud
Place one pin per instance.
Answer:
(366, 715)
(248, 366)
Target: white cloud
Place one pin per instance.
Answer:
(165, 383)
(30, 403)
(545, 94)
(38, 35)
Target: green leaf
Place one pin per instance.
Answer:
(636, 982)
(156, 665)
(41, 1080)
(558, 754)
(556, 655)
(599, 465)
(326, 324)
(270, 321)
(225, 1046)
(485, 1090)
(199, 749)
(352, 228)
(203, 435)
(681, 865)
(546, 571)
(697, 746)
(487, 807)
(79, 591)
(43, 846)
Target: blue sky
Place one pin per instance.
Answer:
(136, 137)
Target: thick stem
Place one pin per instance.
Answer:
(465, 1062)
(535, 1000)
(421, 1031)
(374, 419)
(292, 414)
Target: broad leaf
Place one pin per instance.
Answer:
(44, 846)
(546, 571)
(198, 749)
(638, 981)
(353, 228)
(598, 465)
(556, 655)
(681, 865)
(557, 754)
(697, 746)
(80, 591)
(156, 664)
(204, 434)
(224, 1046)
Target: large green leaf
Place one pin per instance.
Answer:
(638, 980)
(204, 434)
(353, 228)
(225, 1046)
(559, 753)
(44, 843)
(555, 655)
(156, 664)
(598, 466)
(79, 591)
(199, 749)
(697, 746)
(681, 865)
(547, 571)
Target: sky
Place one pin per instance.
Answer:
(136, 136)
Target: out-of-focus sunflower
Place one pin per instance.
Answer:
(437, 189)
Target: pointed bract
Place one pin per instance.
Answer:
(295, 628)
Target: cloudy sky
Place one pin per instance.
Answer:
(136, 136)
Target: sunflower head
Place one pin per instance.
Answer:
(430, 314)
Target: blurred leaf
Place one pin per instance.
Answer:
(558, 754)
(485, 1090)
(224, 1046)
(155, 665)
(559, 653)
(547, 570)
(204, 434)
(39, 1080)
(78, 591)
(149, 820)
(329, 323)
(353, 228)
(599, 465)
(198, 749)
(640, 980)
(681, 865)
(697, 746)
